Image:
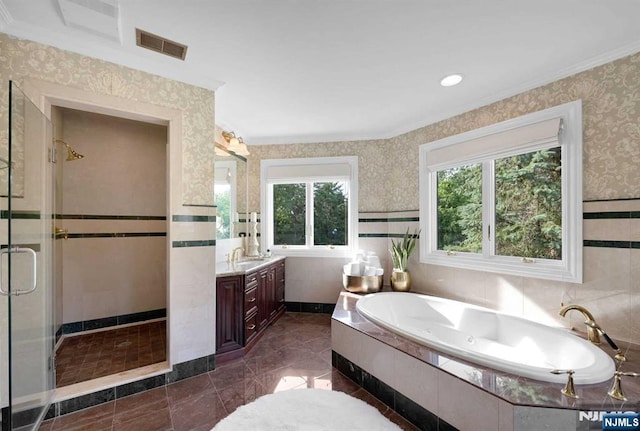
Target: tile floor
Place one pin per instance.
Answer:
(294, 353)
(89, 356)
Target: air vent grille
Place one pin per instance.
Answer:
(160, 44)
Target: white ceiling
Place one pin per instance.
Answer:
(327, 70)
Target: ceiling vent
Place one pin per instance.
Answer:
(100, 17)
(160, 44)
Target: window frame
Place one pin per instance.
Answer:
(567, 269)
(266, 222)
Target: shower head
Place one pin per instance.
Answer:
(71, 153)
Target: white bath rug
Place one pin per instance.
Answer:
(307, 410)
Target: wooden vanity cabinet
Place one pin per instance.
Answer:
(229, 325)
(246, 306)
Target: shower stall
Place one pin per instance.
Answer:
(102, 242)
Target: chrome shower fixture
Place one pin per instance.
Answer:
(71, 153)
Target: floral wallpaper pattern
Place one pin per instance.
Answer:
(611, 127)
(371, 155)
(20, 59)
(611, 122)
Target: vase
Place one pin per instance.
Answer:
(400, 281)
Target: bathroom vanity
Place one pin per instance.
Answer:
(249, 297)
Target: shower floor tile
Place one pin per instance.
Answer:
(302, 346)
(88, 356)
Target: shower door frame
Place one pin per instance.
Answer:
(28, 282)
(48, 95)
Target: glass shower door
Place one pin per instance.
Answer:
(27, 261)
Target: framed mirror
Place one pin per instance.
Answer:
(231, 195)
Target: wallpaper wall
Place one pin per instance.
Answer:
(611, 118)
(20, 59)
(611, 125)
(372, 172)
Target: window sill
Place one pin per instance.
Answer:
(321, 252)
(543, 269)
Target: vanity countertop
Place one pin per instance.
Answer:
(224, 269)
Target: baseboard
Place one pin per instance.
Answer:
(309, 307)
(106, 322)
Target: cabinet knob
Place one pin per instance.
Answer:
(252, 327)
(253, 299)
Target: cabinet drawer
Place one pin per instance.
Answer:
(250, 279)
(250, 300)
(250, 327)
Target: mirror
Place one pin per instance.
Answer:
(230, 190)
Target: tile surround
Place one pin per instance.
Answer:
(497, 394)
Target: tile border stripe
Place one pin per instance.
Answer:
(107, 217)
(611, 244)
(601, 215)
(194, 243)
(113, 235)
(192, 218)
(22, 215)
(106, 322)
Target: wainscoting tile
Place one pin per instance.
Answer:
(85, 401)
(466, 407)
(505, 419)
(416, 381)
(415, 414)
(188, 369)
(377, 358)
(378, 389)
(140, 385)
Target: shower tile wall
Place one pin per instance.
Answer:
(113, 203)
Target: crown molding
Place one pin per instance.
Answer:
(599, 60)
(410, 126)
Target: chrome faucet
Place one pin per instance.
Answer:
(592, 332)
(234, 254)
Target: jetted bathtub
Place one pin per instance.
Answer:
(486, 337)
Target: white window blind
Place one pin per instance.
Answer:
(510, 140)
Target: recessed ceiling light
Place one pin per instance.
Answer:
(451, 80)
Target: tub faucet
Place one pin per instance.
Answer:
(234, 254)
(619, 355)
(592, 333)
(594, 330)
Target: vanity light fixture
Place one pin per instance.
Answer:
(235, 144)
(451, 80)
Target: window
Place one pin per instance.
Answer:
(310, 206)
(508, 197)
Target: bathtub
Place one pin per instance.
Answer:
(486, 337)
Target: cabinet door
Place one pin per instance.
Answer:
(279, 286)
(229, 313)
(263, 300)
(271, 292)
